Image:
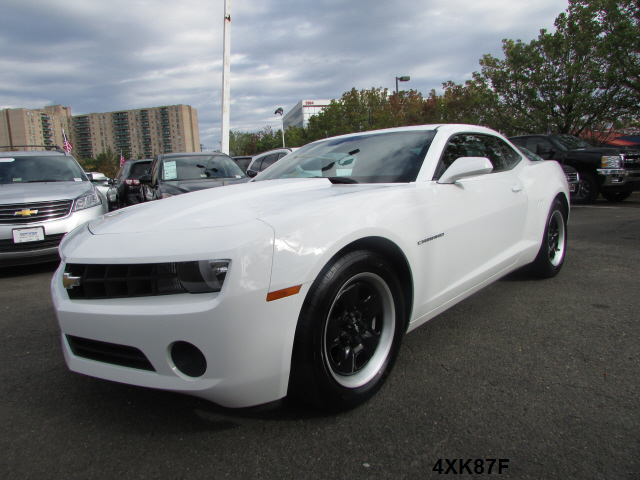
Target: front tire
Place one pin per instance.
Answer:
(589, 189)
(349, 332)
(553, 249)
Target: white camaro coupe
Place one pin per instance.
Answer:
(304, 280)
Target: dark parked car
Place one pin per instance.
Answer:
(610, 171)
(571, 174)
(266, 159)
(127, 182)
(176, 173)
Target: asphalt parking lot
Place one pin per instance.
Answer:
(543, 375)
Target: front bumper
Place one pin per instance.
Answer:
(619, 179)
(246, 341)
(47, 249)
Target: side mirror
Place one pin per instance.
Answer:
(465, 167)
(252, 173)
(145, 179)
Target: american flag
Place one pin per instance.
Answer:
(121, 158)
(66, 144)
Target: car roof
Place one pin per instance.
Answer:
(23, 153)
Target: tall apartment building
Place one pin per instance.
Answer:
(144, 132)
(21, 128)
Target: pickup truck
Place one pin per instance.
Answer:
(610, 171)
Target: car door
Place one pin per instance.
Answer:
(484, 216)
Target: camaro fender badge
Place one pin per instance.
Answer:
(431, 238)
(69, 282)
(26, 212)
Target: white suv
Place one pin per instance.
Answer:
(43, 196)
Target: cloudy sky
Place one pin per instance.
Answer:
(99, 56)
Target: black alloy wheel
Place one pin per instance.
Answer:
(589, 189)
(349, 332)
(553, 249)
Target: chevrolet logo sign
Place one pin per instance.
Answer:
(26, 212)
(69, 282)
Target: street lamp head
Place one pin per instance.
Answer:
(401, 79)
(279, 111)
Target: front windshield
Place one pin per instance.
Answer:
(571, 143)
(198, 167)
(33, 169)
(387, 157)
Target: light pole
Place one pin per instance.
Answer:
(402, 79)
(280, 112)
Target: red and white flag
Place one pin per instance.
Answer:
(66, 144)
(121, 158)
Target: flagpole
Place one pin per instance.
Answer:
(226, 72)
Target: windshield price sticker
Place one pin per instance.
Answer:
(28, 235)
(170, 172)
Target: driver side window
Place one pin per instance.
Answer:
(471, 145)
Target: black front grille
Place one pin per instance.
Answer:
(113, 353)
(632, 161)
(25, 213)
(121, 281)
(50, 241)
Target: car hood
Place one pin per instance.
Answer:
(594, 151)
(42, 192)
(220, 207)
(186, 186)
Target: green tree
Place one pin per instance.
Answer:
(617, 26)
(295, 137)
(107, 163)
(242, 143)
(557, 82)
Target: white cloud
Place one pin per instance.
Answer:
(104, 56)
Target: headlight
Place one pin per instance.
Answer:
(88, 200)
(203, 276)
(613, 161)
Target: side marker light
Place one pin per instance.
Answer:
(285, 292)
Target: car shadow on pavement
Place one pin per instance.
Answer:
(129, 409)
(33, 269)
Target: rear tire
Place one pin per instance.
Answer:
(349, 332)
(552, 251)
(616, 196)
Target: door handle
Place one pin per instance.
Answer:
(516, 188)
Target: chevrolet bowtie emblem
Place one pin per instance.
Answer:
(69, 282)
(26, 212)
